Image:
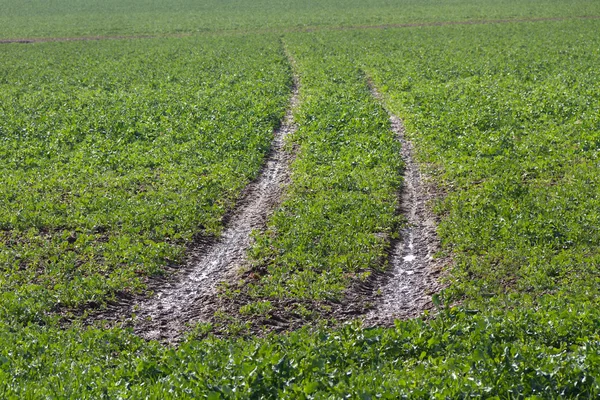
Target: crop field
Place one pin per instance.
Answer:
(277, 199)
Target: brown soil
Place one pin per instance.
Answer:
(184, 301)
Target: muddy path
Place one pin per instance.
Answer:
(190, 297)
(406, 289)
(402, 291)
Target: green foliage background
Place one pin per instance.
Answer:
(115, 154)
(69, 18)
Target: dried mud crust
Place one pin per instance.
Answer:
(403, 290)
(191, 295)
(187, 299)
(415, 261)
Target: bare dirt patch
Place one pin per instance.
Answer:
(188, 298)
(406, 290)
(192, 295)
(403, 290)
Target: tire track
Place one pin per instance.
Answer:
(189, 298)
(413, 276)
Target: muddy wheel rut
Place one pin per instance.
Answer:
(406, 289)
(184, 300)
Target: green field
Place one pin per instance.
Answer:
(111, 163)
(118, 155)
(72, 18)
